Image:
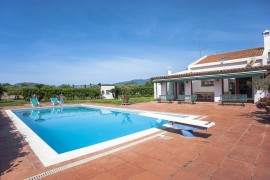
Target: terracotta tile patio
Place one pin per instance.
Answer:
(237, 147)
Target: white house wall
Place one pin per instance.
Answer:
(196, 86)
(163, 88)
(105, 89)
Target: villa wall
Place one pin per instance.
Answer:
(163, 89)
(196, 86)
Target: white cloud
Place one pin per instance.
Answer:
(84, 71)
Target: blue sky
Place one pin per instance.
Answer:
(108, 41)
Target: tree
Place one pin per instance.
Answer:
(263, 85)
(149, 84)
(24, 84)
(65, 86)
(115, 92)
(2, 91)
(15, 91)
(40, 94)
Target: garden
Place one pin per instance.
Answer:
(11, 95)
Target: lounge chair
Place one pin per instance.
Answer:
(34, 102)
(54, 101)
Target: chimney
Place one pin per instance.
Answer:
(169, 70)
(266, 38)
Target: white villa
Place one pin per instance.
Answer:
(105, 91)
(214, 75)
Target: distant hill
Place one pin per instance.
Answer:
(134, 81)
(25, 84)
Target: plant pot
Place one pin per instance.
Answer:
(125, 100)
(267, 110)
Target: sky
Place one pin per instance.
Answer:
(109, 41)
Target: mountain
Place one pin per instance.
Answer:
(134, 81)
(25, 84)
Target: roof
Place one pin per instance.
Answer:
(236, 70)
(233, 55)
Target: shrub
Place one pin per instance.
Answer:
(263, 102)
(16, 92)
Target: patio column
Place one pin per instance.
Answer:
(170, 88)
(218, 88)
(188, 87)
(237, 86)
(155, 91)
(176, 89)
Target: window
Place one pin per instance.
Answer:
(207, 83)
(107, 92)
(268, 56)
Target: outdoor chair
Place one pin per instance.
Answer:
(54, 101)
(34, 102)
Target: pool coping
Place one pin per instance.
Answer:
(49, 157)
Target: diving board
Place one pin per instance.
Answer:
(185, 124)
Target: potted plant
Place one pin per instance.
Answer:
(264, 103)
(125, 95)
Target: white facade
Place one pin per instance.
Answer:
(193, 84)
(105, 91)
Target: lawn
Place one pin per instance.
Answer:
(105, 101)
(112, 101)
(13, 103)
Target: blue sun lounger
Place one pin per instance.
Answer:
(54, 101)
(34, 102)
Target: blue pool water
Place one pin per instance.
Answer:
(68, 128)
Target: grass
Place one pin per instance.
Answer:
(13, 103)
(112, 101)
(132, 100)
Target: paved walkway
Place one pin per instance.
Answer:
(238, 147)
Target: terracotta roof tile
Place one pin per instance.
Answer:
(233, 55)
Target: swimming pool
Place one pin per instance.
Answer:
(60, 133)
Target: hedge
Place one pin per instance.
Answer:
(45, 93)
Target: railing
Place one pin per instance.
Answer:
(187, 98)
(234, 98)
(165, 98)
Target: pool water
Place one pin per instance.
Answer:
(68, 128)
